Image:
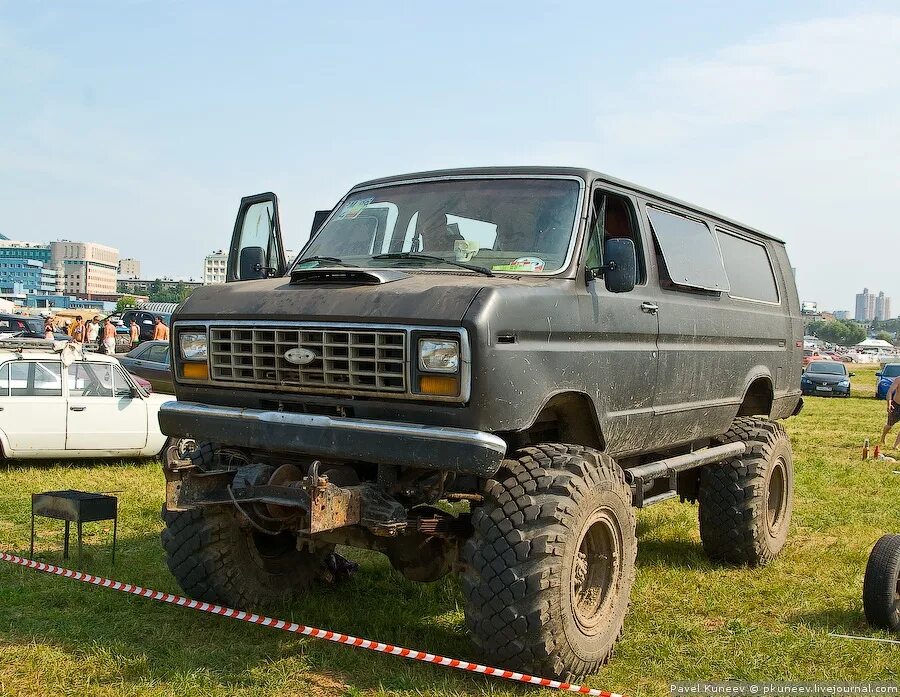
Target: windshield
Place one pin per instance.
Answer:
(827, 368)
(35, 326)
(503, 225)
(891, 371)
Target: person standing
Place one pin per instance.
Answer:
(135, 333)
(48, 329)
(109, 337)
(160, 331)
(893, 411)
(77, 331)
(93, 330)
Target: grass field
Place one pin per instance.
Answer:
(690, 619)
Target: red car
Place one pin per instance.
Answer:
(810, 355)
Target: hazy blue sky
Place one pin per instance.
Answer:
(141, 124)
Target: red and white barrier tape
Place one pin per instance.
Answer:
(302, 629)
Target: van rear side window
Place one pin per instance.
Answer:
(689, 250)
(748, 267)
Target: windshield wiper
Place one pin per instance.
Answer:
(333, 260)
(431, 257)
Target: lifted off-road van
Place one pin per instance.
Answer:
(484, 371)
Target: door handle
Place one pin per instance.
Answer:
(649, 308)
(77, 408)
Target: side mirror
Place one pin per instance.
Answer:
(878, 374)
(850, 374)
(253, 263)
(620, 265)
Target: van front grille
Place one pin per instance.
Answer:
(351, 359)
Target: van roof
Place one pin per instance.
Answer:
(588, 175)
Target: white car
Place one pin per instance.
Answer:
(57, 401)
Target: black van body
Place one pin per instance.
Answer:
(652, 361)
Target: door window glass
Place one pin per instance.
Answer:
(4, 380)
(90, 380)
(689, 251)
(156, 354)
(613, 218)
(748, 267)
(121, 387)
(258, 240)
(35, 379)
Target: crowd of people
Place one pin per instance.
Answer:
(102, 332)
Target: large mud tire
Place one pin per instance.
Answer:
(551, 562)
(216, 559)
(746, 502)
(881, 587)
(216, 556)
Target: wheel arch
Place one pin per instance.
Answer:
(759, 396)
(567, 416)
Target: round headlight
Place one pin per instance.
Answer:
(439, 355)
(193, 346)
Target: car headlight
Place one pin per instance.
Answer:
(844, 383)
(439, 355)
(193, 346)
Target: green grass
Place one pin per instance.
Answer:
(690, 619)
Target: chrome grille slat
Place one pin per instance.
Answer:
(353, 359)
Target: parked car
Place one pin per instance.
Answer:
(553, 345)
(888, 373)
(16, 326)
(150, 361)
(826, 379)
(143, 384)
(89, 408)
(810, 355)
(146, 321)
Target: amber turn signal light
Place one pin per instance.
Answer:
(195, 371)
(443, 385)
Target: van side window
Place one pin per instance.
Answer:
(613, 218)
(748, 267)
(689, 251)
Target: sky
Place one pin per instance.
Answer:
(141, 124)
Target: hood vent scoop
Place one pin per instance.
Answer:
(345, 277)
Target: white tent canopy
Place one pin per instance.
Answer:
(874, 343)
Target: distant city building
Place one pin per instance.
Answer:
(842, 314)
(214, 267)
(872, 307)
(143, 286)
(129, 268)
(882, 307)
(25, 268)
(85, 267)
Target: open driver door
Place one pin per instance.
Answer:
(257, 250)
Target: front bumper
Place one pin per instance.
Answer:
(835, 391)
(330, 438)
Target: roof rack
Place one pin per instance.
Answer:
(34, 344)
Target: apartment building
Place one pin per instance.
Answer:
(85, 268)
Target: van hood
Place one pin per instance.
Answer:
(420, 298)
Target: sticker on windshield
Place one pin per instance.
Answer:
(522, 265)
(351, 209)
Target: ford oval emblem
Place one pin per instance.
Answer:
(299, 356)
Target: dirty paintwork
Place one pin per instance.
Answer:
(650, 381)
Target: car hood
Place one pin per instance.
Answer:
(422, 298)
(825, 378)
